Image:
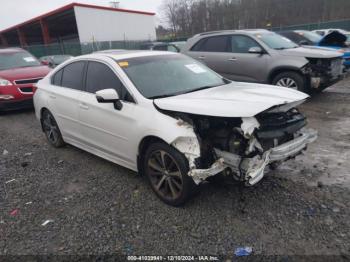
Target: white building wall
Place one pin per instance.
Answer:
(108, 25)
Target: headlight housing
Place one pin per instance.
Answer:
(5, 82)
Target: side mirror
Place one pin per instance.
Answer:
(255, 50)
(109, 96)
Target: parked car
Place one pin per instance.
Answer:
(54, 60)
(110, 51)
(333, 40)
(160, 46)
(324, 32)
(19, 71)
(179, 44)
(170, 118)
(266, 57)
(347, 42)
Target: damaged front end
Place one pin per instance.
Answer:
(323, 72)
(244, 147)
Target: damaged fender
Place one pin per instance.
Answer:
(190, 147)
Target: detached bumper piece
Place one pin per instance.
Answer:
(294, 146)
(251, 170)
(254, 167)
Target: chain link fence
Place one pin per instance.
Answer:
(77, 48)
(341, 24)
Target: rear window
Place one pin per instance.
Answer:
(212, 44)
(73, 75)
(57, 78)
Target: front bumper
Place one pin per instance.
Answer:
(252, 169)
(324, 82)
(9, 105)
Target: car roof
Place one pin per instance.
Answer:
(127, 54)
(224, 32)
(11, 50)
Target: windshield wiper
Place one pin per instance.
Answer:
(283, 48)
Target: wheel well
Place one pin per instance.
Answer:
(41, 117)
(43, 110)
(144, 144)
(281, 70)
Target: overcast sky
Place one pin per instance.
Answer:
(18, 11)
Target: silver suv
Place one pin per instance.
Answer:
(266, 57)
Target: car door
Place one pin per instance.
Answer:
(106, 130)
(67, 86)
(243, 65)
(214, 52)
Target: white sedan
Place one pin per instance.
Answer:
(170, 118)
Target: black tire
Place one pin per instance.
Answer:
(298, 80)
(51, 130)
(166, 170)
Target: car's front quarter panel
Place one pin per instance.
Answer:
(175, 132)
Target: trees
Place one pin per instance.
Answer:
(188, 17)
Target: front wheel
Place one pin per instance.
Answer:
(290, 79)
(166, 170)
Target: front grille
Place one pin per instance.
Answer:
(26, 89)
(326, 67)
(28, 81)
(336, 67)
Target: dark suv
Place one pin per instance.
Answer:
(266, 57)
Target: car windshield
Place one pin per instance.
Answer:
(168, 75)
(276, 41)
(313, 37)
(10, 60)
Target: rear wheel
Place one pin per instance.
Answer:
(290, 79)
(51, 130)
(166, 170)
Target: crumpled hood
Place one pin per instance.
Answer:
(333, 39)
(231, 100)
(309, 52)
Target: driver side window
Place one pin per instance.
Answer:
(99, 76)
(242, 44)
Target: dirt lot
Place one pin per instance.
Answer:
(97, 207)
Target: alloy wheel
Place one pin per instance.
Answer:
(50, 128)
(287, 82)
(165, 175)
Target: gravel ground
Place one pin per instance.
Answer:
(99, 208)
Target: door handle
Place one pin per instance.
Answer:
(201, 57)
(233, 59)
(52, 96)
(83, 106)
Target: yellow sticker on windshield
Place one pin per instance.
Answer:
(123, 64)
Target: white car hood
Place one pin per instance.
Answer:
(232, 100)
